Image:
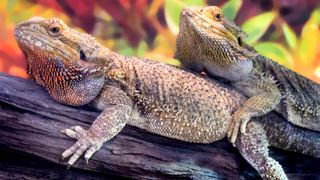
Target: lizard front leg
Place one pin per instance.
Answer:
(264, 97)
(117, 108)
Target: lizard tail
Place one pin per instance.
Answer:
(284, 135)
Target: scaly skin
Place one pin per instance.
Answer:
(207, 41)
(77, 70)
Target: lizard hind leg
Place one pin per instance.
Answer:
(253, 146)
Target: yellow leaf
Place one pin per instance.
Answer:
(317, 72)
(310, 39)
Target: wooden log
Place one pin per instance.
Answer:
(30, 138)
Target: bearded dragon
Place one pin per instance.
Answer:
(209, 42)
(76, 70)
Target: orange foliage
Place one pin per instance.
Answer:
(11, 58)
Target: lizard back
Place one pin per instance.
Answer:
(176, 103)
(301, 96)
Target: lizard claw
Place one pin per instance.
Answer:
(87, 143)
(238, 122)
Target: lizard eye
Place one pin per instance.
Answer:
(54, 29)
(218, 16)
(239, 41)
(82, 56)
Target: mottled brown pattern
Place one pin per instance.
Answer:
(159, 98)
(222, 52)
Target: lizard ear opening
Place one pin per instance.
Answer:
(240, 41)
(82, 56)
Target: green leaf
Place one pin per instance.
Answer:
(275, 52)
(142, 48)
(231, 8)
(256, 26)
(127, 51)
(290, 35)
(172, 10)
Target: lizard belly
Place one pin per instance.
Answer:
(235, 72)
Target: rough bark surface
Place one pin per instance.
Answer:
(31, 145)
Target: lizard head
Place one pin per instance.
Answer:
(206, 33)
(67, 63)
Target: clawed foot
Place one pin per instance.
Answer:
(238, 121)
(87, 142)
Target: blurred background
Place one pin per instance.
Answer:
(288, 31)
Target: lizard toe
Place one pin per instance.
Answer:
(91, 151)
(243, 126)
(78, 129)
(68, 152)
(75, 156)
(239, 122)
(74, 132)
(233, 131)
